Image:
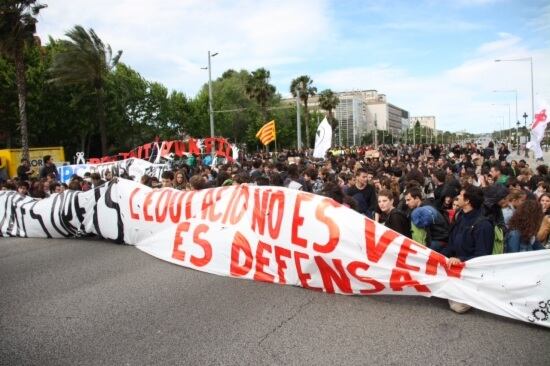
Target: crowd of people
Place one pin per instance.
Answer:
(463, 201)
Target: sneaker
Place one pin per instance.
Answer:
(459, 307)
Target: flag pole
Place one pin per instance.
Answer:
(276, 150)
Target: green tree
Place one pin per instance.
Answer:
(8, 102)
(417, 132)
(17, 30)
(329, 101)
(86, 60)
(303, 87)
(127, 97)
(259, 89)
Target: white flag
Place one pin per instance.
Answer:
(323, 139)
(538, 127)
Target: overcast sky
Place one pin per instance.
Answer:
(429, 57)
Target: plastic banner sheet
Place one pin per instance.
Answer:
(278, 235)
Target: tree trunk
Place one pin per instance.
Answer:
(101, 119)
(22, 95)
(306, 113)
(83, 141)
(264, 113)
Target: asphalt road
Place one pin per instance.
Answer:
(89, 302)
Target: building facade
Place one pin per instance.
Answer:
(425, 121)
(351, 121)
(361, 112)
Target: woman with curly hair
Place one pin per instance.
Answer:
(181, 182)
(524, 225)
(543, 234)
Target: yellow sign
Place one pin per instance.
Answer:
(11, 158)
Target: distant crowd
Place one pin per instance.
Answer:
(463, 201)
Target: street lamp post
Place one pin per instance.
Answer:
(299, 127)
(517, 135)
(525, 115)
(375, 132)
(530, 59)
(509, 120)
(210, 109)
(515, 91)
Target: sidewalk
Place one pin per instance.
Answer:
(531, 159)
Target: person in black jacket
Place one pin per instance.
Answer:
(390, 216)
(24, 170)
(363, 193)
(489, 151)
(48, 167)
(471, 236)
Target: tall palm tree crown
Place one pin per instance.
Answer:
(259, 89)
(303, 87)
(86, 60)
(17, 30)
(328, 101)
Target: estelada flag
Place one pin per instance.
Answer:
(267, 134)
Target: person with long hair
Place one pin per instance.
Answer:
(524, 225)
(543, 234)
(514, 199)
(390, 216)
(514, 168)
(544, 201)
(181, 181)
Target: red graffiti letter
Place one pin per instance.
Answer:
(133, 215)
(204, 244)
(298, 220)
(333, 229)
(328, 274)
(439, 259)
(261, 261)
(240, 245)
(146, 203)
(377, 286)
(375, 250)
(400, 278)
(304, 277)
(281, 264)
(404, 251)
(176, 253)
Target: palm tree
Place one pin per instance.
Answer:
(303, 86)
(259, 89)
(328, 101)
(17, 30)
(86, 60)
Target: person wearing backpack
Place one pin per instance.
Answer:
(494, 197)
(471, 236)
(524, 225)
(427, 220)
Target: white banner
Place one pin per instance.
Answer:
(134, 167)
(283, 236)
(538, 127)
(323, 139)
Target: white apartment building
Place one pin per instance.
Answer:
(361, 111)
(425, 121)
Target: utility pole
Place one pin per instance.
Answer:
(210, 109)
(298, 124)
(375, 132)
